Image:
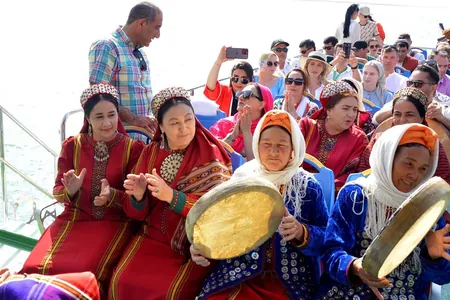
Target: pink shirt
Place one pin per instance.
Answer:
(444, 85)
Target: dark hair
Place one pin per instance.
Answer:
(246, 67)
(404, 36)
(351, 83)
(402, 44)
(331, 39)
(417, 104)
(408, 145)
(305, 77)
(308, 44)
(334, 100)
(371, 18)
(388, 49)
(430, 67)
(143, 10)
(348, 17)
(171, 103)
(94, 100)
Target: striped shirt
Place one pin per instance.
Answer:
(112, 61)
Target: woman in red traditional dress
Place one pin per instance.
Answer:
(331, 135)
(183, 162)
(93, 230)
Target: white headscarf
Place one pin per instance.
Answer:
(381, 82)
(378, 187)
(256, 168)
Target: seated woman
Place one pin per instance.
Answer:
(286, 266)
(409, 106)
(317, 69)
(374, 83)
(402, 159)
(225, 95)
(270, 75)
(298, 105)
(183, 162)
(331, 135)
(237, 131)
(44, 287)
(93, 230)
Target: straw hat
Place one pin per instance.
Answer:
(317, 56)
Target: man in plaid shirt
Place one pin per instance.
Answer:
(119, 61)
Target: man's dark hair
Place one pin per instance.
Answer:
(143, 10)
(404, 36)
(308, 44)
(430, 67)
(331, 39)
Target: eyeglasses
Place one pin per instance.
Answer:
(304, 51)
(285, 49)
(247, 94)
(142, 63)
(416, 83)
(374, 46)
(325, 48)
(295, 81)
(244, 80)
(275, 63)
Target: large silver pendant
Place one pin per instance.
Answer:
(101, 152)
(170, 166)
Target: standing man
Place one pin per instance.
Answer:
(119, 61)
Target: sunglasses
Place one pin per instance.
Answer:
(285, 49)
(304, 51)
(365, 16)
(247, 94)
(416, 83)
(275, 63)
(244, 80)
(142, 63)
(325, 48)
(374, 46)
(295, 81)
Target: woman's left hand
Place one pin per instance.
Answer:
(105, 194)
(245, 120)
(158, 187)
(289, 106)
(290, 228)
(438, 243)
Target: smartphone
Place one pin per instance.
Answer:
(241, 53)
(442, 26)
(347, 49)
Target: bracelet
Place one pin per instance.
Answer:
(354, 67)
(174, 199)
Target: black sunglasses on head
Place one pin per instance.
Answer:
(247, 94)
(142, 63)
(295, 81)
(285, 49)
(244, 80)
(269, 63)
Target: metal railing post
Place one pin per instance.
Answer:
(2, 166)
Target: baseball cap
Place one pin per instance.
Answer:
(277, 42)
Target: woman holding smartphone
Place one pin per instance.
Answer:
(225, 95)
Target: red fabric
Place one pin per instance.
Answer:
(76, 223)
(343, 158)
(410, 63)
(156, 264)
(381, 31)
(442, 170)
(222, 95)
(85, 282)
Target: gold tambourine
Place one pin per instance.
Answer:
(407, 228)
(235, 217)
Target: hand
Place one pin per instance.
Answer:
(198, 258)
(5, 273)
(290, 228)
(236, 131)
(352, 60)
(373, 283)
(148, 123)
(438, 243)
(135, 185)
(72, 182)
(289, 106)
(340, 58)
(105, 194)
(159, 187)
(223, 56)
(434, 112)
(245, 120)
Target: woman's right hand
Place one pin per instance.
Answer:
(135, 185)
(223, 55)
(198, 258)
(72, 182)
(373, 283)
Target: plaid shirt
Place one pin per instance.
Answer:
(112, 61)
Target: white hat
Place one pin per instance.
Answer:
(364, 10)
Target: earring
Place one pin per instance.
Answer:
(90, 130)
(162, 141)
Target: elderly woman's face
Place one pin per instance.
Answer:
(104, 119)
(410, 167)
(343, 114)
(275, 148)
(404, 112)
(178, 124)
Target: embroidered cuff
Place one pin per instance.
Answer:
(178, 201)
(63, 195)
(139, 205)
(305, 241)
(112, 199)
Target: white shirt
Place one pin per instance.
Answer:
(335, 76)
(395, 81)
(354, 33)
(317, 92)
(290, 64)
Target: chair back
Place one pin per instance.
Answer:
(402, 71)
(355, 176)
(385, 125)
(370, 107)
(140, 130)
(208, 121)
(312, 99)
(325, 177)
(236, 159)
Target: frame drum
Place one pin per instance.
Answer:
(407, 228)
(235, 217)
